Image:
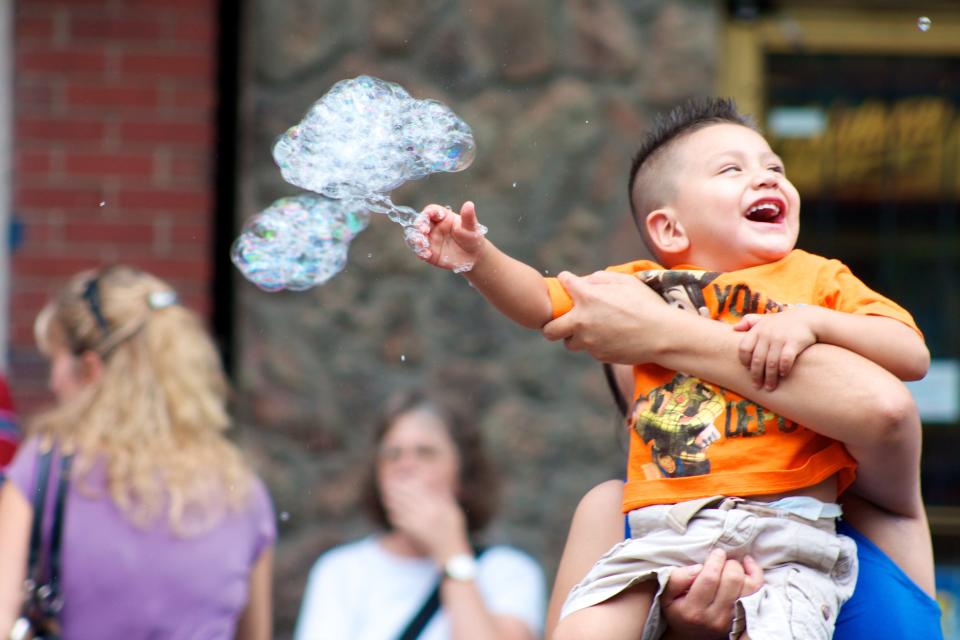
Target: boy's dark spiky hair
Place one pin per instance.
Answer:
(685, 118)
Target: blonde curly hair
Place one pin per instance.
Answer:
(155, 418)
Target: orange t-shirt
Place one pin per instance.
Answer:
(692, 439)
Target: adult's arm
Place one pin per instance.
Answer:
(256, 622)
(616, 318)
(596, 526)
(697, 602)
(16, 513)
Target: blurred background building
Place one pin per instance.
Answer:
(140, 131)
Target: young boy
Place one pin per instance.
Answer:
(713, 205)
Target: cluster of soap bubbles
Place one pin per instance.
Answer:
(367, 136)
(298, 242)
(362, 139)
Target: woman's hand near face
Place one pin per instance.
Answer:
(432, 519)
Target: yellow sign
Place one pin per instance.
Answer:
(906, 150)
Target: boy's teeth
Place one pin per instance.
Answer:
(764, 212)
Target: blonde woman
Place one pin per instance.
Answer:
(166, 532)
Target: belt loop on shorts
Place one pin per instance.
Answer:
(679, 515)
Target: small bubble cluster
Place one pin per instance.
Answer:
(298, 242)
(362, 139)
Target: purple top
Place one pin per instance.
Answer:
(121, 581)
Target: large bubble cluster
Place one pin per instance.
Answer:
(298, 242)
(362, 139)
(367, 136)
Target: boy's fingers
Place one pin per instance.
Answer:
(468, 216)
(787, 357)
(759, 361)
(746, 322)
(747, 344)
(772, 370)
(435, 212)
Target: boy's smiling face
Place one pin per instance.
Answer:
(732, 206)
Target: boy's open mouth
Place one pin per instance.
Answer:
(766, 211)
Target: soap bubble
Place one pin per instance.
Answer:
(924, 23)
(366, 137)
(362, 139)
(298, 242)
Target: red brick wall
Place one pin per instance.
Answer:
(114, 129)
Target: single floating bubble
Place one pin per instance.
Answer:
(403, 358)
(298, 242)
(514, 185)
(103, 203)
(924, 23)
(284, 516)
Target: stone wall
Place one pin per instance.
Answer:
(557, 93)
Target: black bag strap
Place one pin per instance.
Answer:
(39, 505)
(429, 608)
(48, 589)
(56, 535)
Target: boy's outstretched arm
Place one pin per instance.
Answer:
(458, 243)
(773, 341)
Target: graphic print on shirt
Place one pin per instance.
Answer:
(677, 420)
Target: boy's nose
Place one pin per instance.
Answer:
(766, 178)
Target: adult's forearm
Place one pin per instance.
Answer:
(905, 539)
(832, 391)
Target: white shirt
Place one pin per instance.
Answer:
(360, 591)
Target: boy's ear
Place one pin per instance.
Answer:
(667, 232)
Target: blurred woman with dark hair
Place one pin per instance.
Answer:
(432, 489)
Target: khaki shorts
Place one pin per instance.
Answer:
(809, 570)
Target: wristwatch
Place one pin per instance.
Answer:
(461, 567)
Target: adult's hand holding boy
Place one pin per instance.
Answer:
(607, 309)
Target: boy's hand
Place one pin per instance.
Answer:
(455, 240)
(773, 341)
